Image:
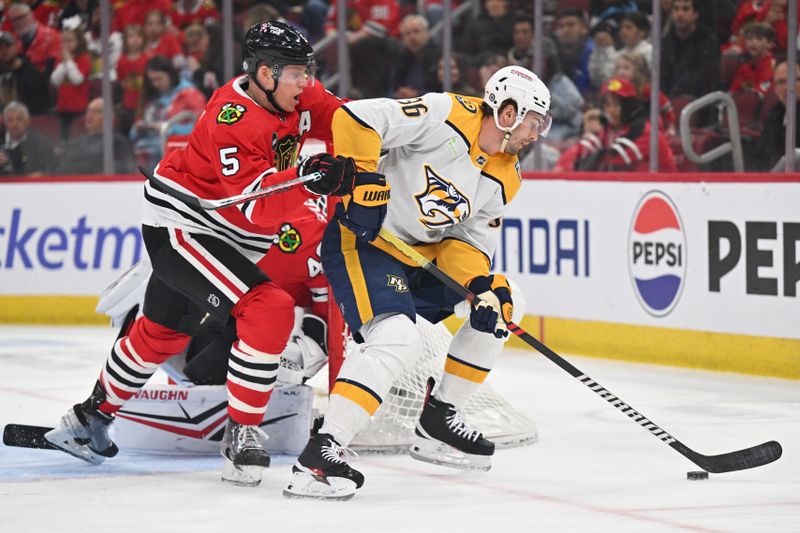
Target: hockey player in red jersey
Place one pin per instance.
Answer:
(205, 263)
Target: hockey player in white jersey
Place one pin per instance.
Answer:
(451, 162)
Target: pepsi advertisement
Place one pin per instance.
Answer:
(719, 256)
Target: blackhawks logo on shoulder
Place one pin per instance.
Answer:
(289, 239)
(230, 113)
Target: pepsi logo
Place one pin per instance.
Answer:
(657, 253)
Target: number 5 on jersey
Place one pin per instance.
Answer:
(230, 165)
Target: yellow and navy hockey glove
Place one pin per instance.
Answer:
(493, 312)
(363, 213)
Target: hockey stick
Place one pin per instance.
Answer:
(213, 205)
(727, 462)
(23, 436)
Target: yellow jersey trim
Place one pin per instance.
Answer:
(354, 138)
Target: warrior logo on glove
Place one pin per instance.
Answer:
(363, 213)
(441, 204)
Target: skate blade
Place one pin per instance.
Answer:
(305, 486)
(241, 476)
(439, 453)
(65, 441)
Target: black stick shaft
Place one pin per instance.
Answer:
(738, 460)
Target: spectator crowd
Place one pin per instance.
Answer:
(166, 60)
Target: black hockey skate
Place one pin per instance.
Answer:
(443, 437)
(321, 472)
(244, 453)
(83, 431)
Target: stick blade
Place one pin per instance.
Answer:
(763, 454)
(23, 436)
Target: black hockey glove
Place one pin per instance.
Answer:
(366, 209)
(338, 174)
(495, 308)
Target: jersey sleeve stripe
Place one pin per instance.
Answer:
(500, 183)
(356, 118)
(353, 138)
(247, 208)
(460, 134)
(215, 219)
(257, 245)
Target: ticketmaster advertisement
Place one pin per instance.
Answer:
(68, 238)
(716, 257)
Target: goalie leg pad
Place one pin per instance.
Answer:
(306, 352)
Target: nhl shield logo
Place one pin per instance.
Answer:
(441, 204)
(230, 113)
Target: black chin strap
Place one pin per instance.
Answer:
(269, 93)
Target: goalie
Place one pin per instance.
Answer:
(452, 164)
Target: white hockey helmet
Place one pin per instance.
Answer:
(525, 89)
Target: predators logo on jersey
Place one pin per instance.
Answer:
(441, 204)
(230, 113)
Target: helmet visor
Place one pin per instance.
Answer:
(296, 74)
(543, 123)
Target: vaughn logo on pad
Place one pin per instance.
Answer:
(657, 253)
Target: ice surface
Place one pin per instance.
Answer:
(591, 470)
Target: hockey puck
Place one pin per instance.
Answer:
(696, 475)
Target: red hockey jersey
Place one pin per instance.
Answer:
(237, 146)
(294, 261)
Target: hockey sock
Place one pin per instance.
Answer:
(391, 344)
(135, 358)
(251, 377)
(344, 419)
(264, 320)
(471, 356)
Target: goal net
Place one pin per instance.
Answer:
(392, 428)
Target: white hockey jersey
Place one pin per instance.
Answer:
(447, 195)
